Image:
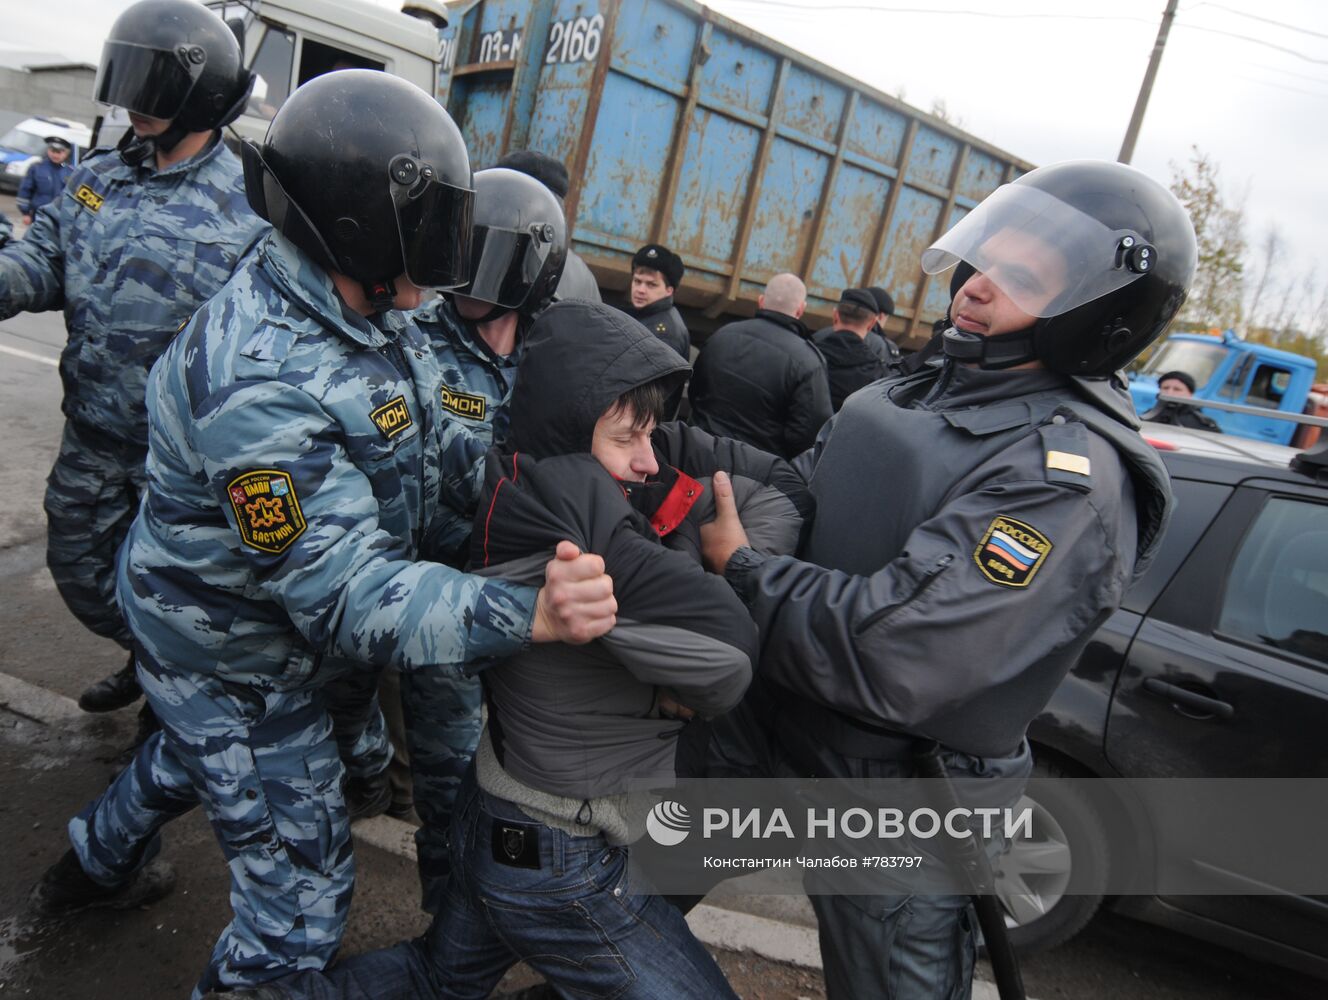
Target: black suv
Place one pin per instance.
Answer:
(1216, 665)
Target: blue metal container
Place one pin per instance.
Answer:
(747, 158)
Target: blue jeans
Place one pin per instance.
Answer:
(577, 919)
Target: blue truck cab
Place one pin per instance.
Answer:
(1231, 370)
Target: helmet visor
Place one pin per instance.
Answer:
(504, 264)
(433, 219)
(148, 81)
(1047, 256)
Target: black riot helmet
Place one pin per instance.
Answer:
(174, 60)
(1099, 253)
(518, 242)
(368, 175)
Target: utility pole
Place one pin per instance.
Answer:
(1146, 88)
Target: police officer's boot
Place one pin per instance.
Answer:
(146, 726)
(65, 888)
(110, 693)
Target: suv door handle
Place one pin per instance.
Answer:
(1200, 704)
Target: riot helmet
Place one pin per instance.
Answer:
(173, 60)
(368, 175)
(1100, 254)
(518, 242)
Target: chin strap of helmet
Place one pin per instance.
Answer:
(381, 294)
(497, 312)
(1004, 350)
(135, 150)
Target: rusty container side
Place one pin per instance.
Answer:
(744, 156)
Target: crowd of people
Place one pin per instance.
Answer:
(335, 521)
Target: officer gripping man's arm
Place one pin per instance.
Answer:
(1010, 501)
(298, 452)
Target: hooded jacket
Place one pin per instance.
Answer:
(584, 721)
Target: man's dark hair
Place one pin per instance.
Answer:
(544, 168)
(646, 402)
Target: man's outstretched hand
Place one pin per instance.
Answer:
(576, 603)
(725, 534)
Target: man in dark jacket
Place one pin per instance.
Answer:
(1014, 503)
(656, 272)
(1179, 383)
(878, 340)
(45, 179)
(542, 829)
(850, 361)
(760, 380)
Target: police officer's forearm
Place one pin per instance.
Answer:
(930, 630)
(32, 270)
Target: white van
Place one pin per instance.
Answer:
(287, 42)
(25, 144)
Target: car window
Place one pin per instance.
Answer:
(272, 72)
(1200, 360)
(1268, 386)
(1278, 590)
(24, 142)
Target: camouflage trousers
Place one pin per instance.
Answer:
(92, 497)
(442, 713)
(265, 767)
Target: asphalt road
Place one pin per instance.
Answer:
(49, 772)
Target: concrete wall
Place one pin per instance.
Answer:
(62, 93)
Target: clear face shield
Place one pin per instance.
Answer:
(146, 80)
(1045, 255)
(434, 221)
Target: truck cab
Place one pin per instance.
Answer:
(1228, 369)
(288, 42)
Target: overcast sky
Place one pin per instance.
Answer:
(1045, 80)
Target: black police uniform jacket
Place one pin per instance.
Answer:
(973, 529)
(663, 320)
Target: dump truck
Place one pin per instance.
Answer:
(1233, 372)
(678, 126)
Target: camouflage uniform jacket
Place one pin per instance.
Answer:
(298, 458)
(129, 253)
(477, 384)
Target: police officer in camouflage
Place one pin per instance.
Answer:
(1011, 501)
(518, 246)
(300, 461)
(130, 248)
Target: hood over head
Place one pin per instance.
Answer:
(579, 358)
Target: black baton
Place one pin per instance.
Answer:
(971, 860)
